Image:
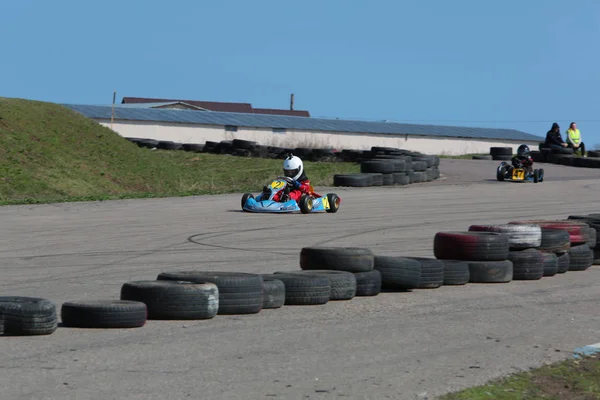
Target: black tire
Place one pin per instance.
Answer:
(388, 179)
(400, 178)
(239, 292)
(351, 259)
(104, 314)
(306, 204)
(378, 166)
(527, 264)
(550, 264)
(398, 272)
(168, 145)
(581, 257)
(243, 144)
(193, 147)
(490, 271)
(368, 283)
(471, 246)
(456, 272)
(171, 300)
(245, 198)
(432, 272)
(305, 289)
(334, 203)
(343, 283)
(593, 236)
(555, 240)
(27, 316)
(419, 166)
(377, 178)
(562, 150)
(501, 172)
(273, 292)
(501, 151)
(353, 180)
(563, 262)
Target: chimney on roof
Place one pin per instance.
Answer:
(292, 102)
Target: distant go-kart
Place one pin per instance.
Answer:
(308, 203)
(507, 172)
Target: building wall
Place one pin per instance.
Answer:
(190, 133)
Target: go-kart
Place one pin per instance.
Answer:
(507, 172)
(308, 203)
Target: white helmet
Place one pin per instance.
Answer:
(293, 167)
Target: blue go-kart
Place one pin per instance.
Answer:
(508, 172)
(308, 203)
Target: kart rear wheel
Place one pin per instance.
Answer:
(306, 204)
(334, 202)
(541, 174)
(245, 198)
(536, 176)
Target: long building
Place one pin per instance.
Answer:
(182, 122)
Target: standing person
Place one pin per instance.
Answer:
(553, 138)
(574, 139)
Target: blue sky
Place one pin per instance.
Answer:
(511, 63)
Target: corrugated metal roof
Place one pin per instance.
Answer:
(297, 123)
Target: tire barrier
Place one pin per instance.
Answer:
(384, 166)
(527, 250)
(380, 166)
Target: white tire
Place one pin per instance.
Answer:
(523, 236)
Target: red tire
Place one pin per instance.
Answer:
(471, 246)
(579, 232)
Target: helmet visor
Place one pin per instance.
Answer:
(290, 173)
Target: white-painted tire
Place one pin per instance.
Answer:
(523, 236)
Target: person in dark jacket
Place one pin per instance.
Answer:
(553, 138)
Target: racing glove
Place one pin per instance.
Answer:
(296, 184)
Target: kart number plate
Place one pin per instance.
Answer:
(277, 184)
(518, 174)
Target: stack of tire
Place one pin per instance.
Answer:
(578, 252)
(501, 153)
(566, 156)
(485, 253)
(350, 269)
(406, 272)
(593, 220)
(386, 166)
(524, 240)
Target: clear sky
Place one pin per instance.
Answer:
(519, 64)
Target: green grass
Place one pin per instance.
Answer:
(577, 379)
(49, 153)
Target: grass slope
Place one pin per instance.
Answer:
(577, 379)
(49, 153)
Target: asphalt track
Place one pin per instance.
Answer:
(396, 345)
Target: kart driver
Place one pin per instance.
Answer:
(523, 159)
(299, 184)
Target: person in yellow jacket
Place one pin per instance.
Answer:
(574, 139)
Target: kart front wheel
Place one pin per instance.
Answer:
(306, 204)
(334, 202)
(536, 176)
(245, 198)
(541, 174)
(501, 172)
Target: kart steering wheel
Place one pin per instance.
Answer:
(285, 178)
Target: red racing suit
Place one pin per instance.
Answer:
(294, 193)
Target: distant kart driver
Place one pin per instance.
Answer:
(523, 159)
(298, 184)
